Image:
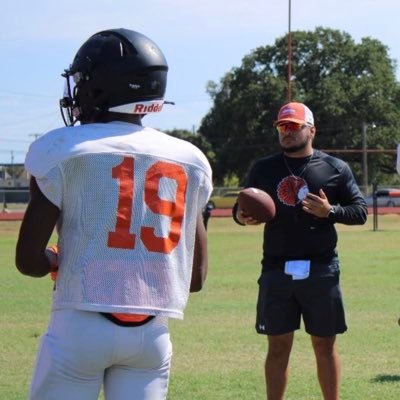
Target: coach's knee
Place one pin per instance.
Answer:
(279, 346)
(324, 346)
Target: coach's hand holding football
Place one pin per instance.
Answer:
(245, 219)
(254, 206)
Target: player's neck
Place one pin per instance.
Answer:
(131, 118)
(112, 116)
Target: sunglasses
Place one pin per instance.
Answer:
(289, 127)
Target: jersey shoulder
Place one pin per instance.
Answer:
(64, 143)
(44, 152)
(177, 149)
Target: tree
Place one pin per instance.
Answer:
(344, 83)
(196, 139)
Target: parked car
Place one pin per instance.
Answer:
(224, 200)
(385, 197)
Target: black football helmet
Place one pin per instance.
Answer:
(116, 70)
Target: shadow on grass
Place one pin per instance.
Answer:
(382, 378)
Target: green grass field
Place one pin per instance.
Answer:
(217, 354)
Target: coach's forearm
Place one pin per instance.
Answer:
(351, 215)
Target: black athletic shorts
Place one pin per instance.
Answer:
(282, 302)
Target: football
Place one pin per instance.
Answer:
(257, 204)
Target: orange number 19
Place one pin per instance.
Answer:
(122, 237)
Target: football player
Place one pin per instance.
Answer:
(127, 203)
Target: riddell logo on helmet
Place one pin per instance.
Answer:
(141, 108)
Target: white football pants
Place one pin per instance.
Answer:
(83, 350)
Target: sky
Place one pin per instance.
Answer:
(202, 41)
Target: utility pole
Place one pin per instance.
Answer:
(289, 77)
(364, 156)
(12, 168)
(35, 135)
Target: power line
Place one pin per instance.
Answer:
(15, 151)
(15, 140)
(21, 121)
(36, 135)
(388, 151)
(4, 94)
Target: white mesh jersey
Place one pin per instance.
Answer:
(129, 198)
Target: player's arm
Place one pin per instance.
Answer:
(37, 226)
(200, 257)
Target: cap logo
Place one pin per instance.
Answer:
(288, 111)
(295, 112)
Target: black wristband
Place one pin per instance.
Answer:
(332, 214)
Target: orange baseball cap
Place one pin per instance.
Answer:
(295, 112)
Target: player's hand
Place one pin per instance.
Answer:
(52, 255)
(316, 205)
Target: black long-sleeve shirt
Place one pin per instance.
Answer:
(293, 233)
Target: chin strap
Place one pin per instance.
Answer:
(69, 111)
